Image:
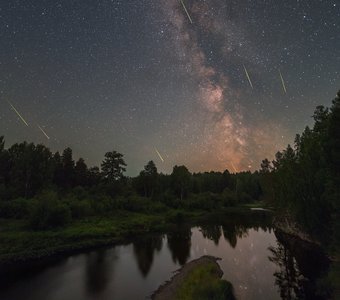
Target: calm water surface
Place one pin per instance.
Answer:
(252, 260)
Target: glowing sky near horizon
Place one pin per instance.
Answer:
(140, 75)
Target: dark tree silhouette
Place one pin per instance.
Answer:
(68, 172)
(81, 173)
(265, 166)
(99, 270)
(113, 166)
(212, 232)
(306, 178)
(179, 243)
(180, 180)
(144, 250)
(149, 178)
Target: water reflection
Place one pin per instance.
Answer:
(134, 271)
(144, 249)
(231, 232)
(179, 244)
(288, 278)
(99, 269)
(212, 232)
(300, 265)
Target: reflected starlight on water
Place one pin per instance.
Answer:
(253, 260)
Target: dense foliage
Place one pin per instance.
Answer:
(51, 189)
(303, 181)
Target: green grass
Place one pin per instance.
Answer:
(18, 242)
(203, 283)
(256, 204)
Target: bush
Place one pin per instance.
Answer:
(206, 201)
(103, 205)
(170, 200)
(229, 198)
(17, 208)
(79, 192)
(244, 198)
(157, 207)
(49, 212)
(80, 209)
(136, 203)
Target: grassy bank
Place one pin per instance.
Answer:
(199, 279)
(204, 282)
(18, 242)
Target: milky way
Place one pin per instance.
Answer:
(210, 84)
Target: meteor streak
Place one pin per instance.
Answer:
(160, 156)
(22, 119)
(233, 166)
(245, 70)
(186, 11)
(283, 82)
(43, 131)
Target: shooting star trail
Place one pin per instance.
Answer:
(43, 131)
(186, 11)
(283, 82)
(160, 156)
(245, 70)
(22, 119)
(233, 166)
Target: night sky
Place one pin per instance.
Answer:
(138, 75)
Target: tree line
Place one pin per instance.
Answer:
(303, 180)
(53, 188)
(27, 169)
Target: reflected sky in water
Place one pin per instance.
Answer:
(134, 271)
(245, 264)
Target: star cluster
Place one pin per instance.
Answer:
(141, 75)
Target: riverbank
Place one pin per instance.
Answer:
(287, 225)
(329, 282)
(198, 279)
(18, 243)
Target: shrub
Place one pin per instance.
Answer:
(170, 200)
(136, 203)
(229, 198)
(80, 209)
(244, 198)
(49, 212)
(206, 201)
(157, 207)
(79, 192)
(17, 208)
(103, 205)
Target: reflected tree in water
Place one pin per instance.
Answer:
(232, 231)
(99, 271)
(212, 232)
(301, 266)
(288, 277)
(144, 250)
(179, 244)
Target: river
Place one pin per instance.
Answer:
(252, 258)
